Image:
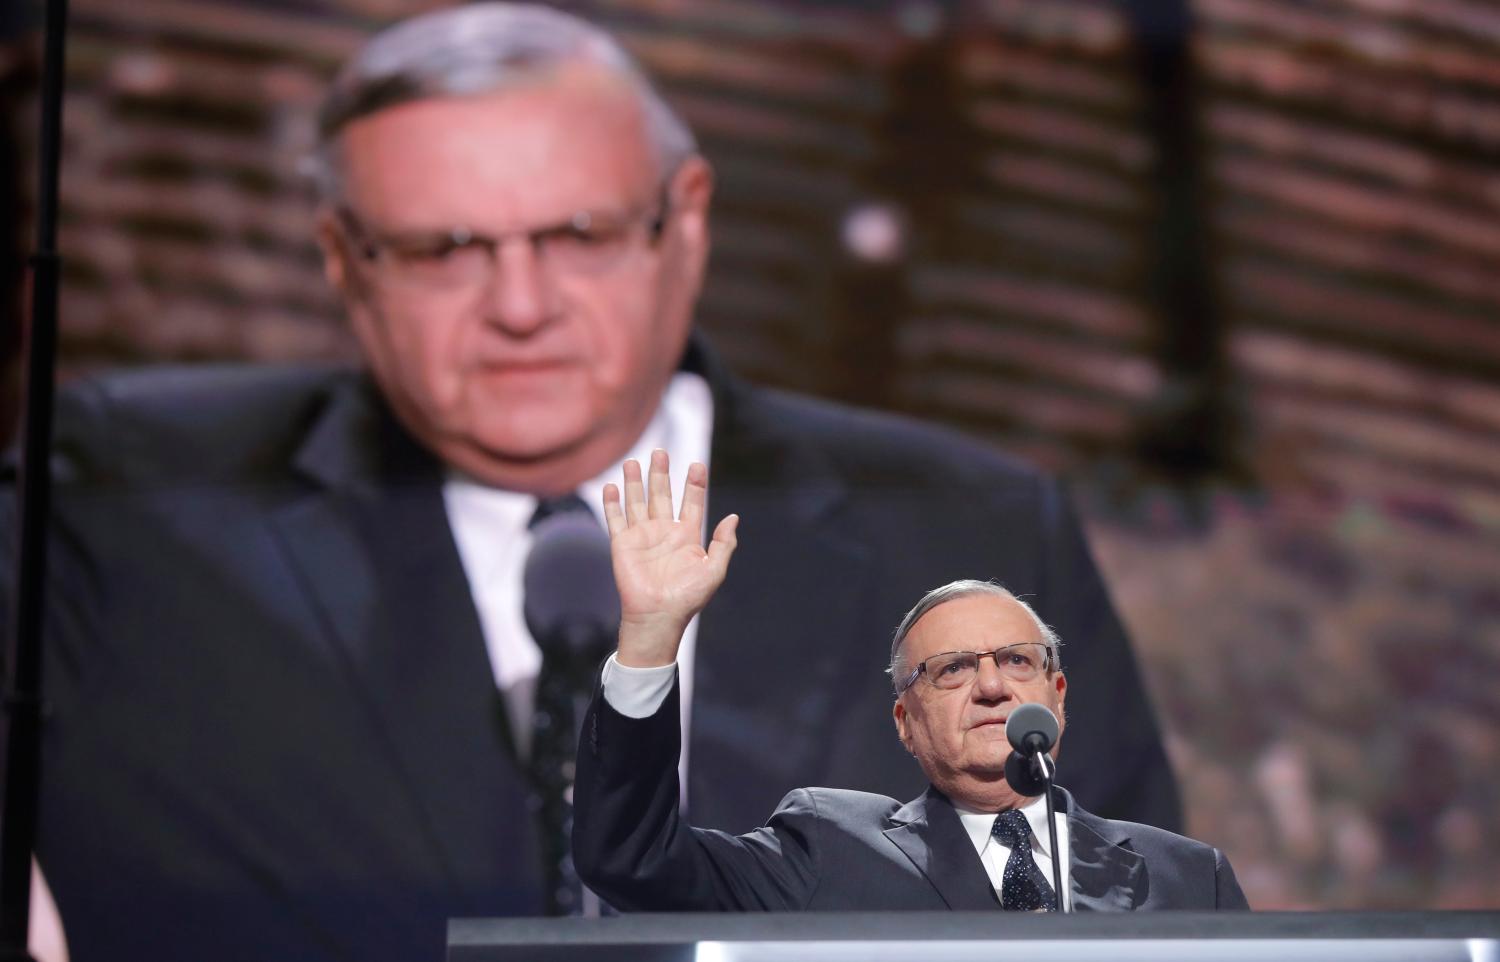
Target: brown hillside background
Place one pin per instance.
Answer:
(1231, 266)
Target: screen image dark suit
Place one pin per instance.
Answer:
(272, 728)
(839, 850)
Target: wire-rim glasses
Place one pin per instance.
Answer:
(956, 669)
(589, 242)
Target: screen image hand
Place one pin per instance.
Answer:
(664, 574)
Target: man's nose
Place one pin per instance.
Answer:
(520, 296)
(990, 683)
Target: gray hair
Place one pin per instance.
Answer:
(475, 49)
(963, 589)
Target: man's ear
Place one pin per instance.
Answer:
(689, 195)
(331, 243)
(903, 730)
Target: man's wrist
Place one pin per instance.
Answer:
(649, 642)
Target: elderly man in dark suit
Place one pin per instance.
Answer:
(966, 657)
(292, 695)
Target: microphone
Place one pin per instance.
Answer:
(1032, 730)
(571, 606)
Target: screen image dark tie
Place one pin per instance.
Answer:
(1023, 887)
(554, 743)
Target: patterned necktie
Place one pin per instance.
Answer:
(554, 742)
(1024, 888)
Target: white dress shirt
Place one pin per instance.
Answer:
(993, 853)
(639, 692)
(490, 528)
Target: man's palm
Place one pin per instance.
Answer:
(663, 573)
(661, 568)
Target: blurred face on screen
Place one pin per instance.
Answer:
(958, 735)
(519, 272)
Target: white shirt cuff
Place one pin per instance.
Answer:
(636, 692)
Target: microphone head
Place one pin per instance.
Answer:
(571, 606)
(1031, 728)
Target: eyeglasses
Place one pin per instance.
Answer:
(955, 669)
(587, 243)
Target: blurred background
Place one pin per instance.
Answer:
(1232, 267)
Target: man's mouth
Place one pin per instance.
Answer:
(522, 366)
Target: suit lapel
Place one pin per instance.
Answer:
(372, 534)
(1106, 875)
(928, 830)
(323, 528)
(761, 679)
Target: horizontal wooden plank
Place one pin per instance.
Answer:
(1069, 184)
(1325, 306)
(1058, 130)
(994, 64)
(322, 39)
(1279, 136)
(1111, 318)
(1376, 258)
(1037, 408)
(1390, 381)
(1372, 40)
(1355, 205)
(1085, 27)
(1466, 20)
(1399, 436)
(1298, 80)
(937, 342)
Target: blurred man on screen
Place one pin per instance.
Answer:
(294, 704)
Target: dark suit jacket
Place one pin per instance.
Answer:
(272, 729)
(838, 850)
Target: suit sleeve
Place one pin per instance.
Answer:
(1227, 894)
(632, 846)
(1112, 755)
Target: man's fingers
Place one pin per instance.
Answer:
(614, 515)
(694, 498)
(635, 493)
(724, 541)
(660, 487)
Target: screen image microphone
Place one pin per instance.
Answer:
(572, 610)
(570, 604)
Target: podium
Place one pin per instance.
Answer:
(985, 937)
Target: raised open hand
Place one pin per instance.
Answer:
(663, 573)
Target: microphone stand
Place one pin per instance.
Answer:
(23, 692)
(1045, 769)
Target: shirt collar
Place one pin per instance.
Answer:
(978, 825)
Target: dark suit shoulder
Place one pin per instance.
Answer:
(1155, 843)
(1188, 873)
(186, 422)
(1151, 835)
(841, 808)
(875, 444)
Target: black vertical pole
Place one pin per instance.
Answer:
(1191, 430)
(23, 680)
